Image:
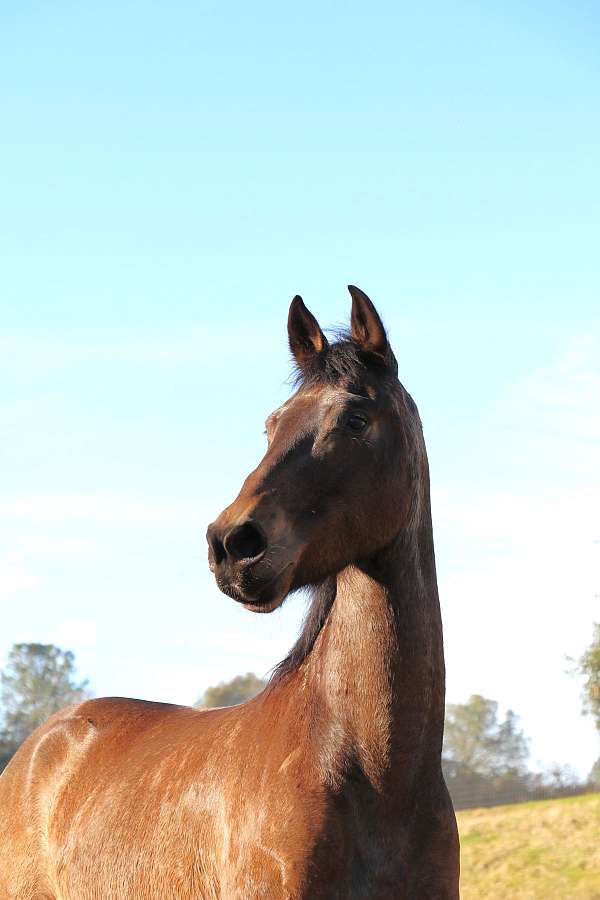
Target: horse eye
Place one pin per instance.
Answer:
(356, 422)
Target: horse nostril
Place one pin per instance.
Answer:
(216, 546)
(245, 542)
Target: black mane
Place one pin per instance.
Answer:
(322, 599)
(342, 360)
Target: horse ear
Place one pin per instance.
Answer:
(304, 333)
(368, 331)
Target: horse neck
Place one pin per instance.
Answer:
(377, 667)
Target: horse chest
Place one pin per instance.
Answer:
(322, 850)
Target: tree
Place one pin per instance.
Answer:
(484, 758)
(594, 776)
(589, 666)
(475, 739)
(229, 693)
(39, 679)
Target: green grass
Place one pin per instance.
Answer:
(547, 850)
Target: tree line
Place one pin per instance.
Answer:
(484, 757)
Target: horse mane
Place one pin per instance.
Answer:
(321, 602)
(341, 360)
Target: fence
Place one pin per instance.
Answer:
(465, 798)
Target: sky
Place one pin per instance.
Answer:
(172, 174)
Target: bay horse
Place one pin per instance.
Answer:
(328, 784)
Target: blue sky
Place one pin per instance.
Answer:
(172, 176)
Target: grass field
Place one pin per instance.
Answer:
(547, 850)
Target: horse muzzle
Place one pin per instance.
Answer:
(244, 567)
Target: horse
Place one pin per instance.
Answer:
(328, 784)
